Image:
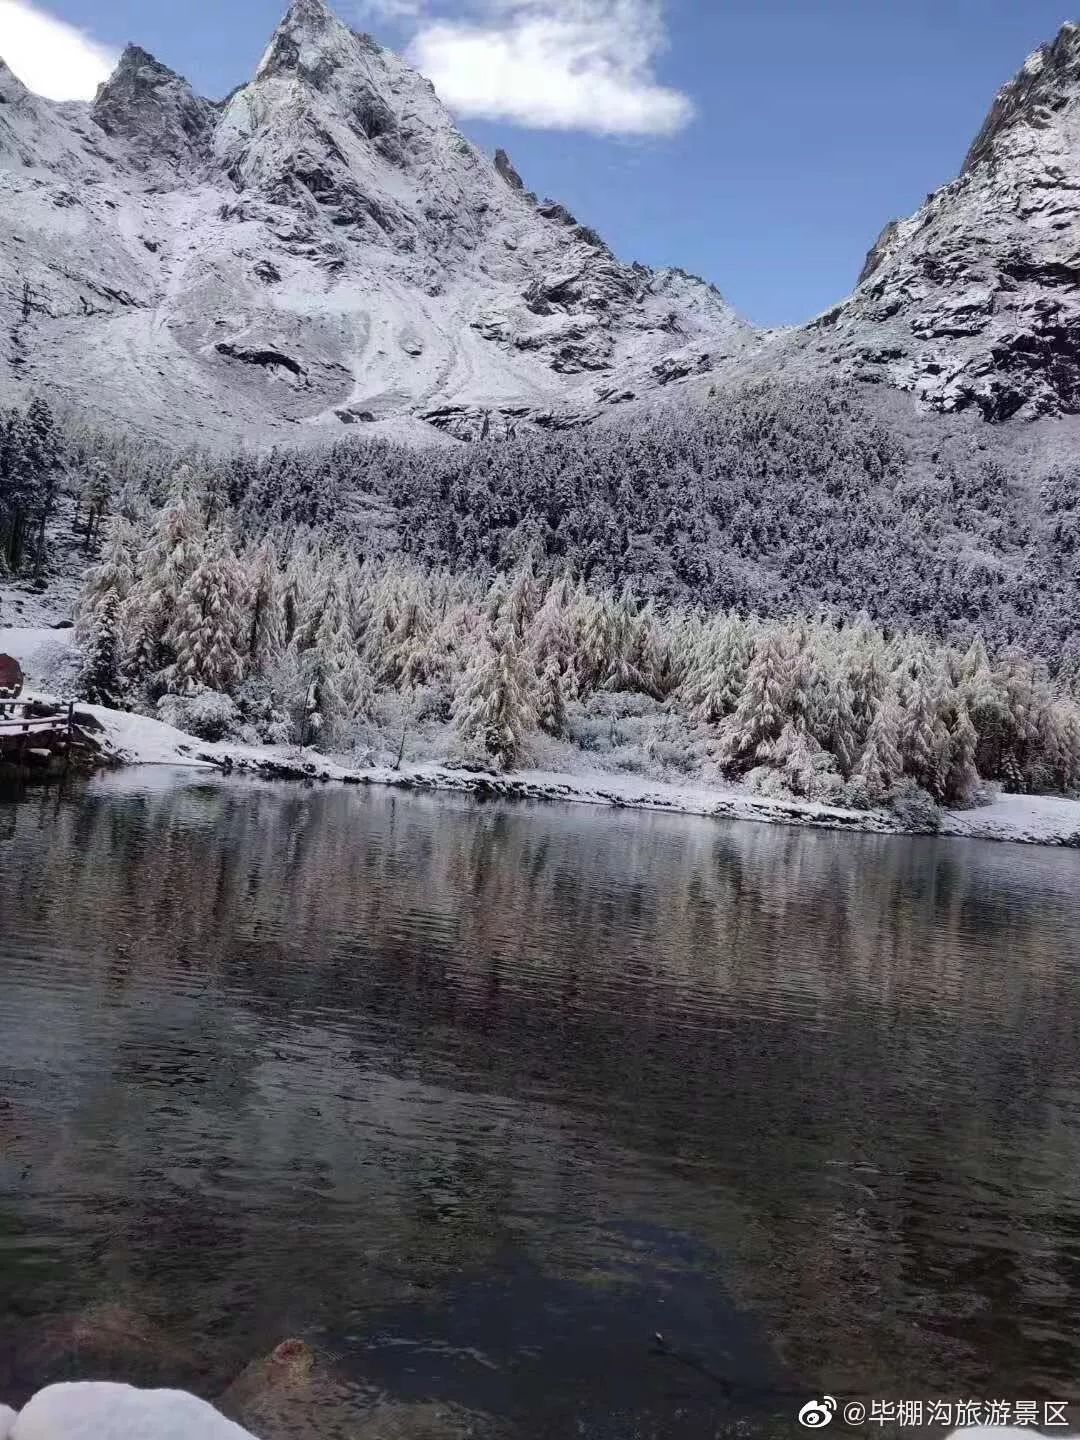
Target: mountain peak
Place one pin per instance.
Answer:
(11, 87)
(310, 42)
(315, 14)
(155, 111)
(1047, 84)
(134, 60)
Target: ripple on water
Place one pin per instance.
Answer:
(478, 1097)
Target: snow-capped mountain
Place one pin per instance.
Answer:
(324, 248)
(321, 248)
(974, 302)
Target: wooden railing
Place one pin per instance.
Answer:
(27, 725)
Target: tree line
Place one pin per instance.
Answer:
(768, 500)
(299, 639)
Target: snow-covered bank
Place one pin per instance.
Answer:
(132, 739)
(1033, 820)
(135, 739)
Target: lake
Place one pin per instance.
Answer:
(476, 1098)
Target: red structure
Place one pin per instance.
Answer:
(11, 678)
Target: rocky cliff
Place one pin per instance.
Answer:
(324, 248)
(974, 302)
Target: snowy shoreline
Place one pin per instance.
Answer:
(127, 738)
(132, 739)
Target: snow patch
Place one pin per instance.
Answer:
(103, 1410)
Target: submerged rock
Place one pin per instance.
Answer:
(292, 1394)
(112, 1340)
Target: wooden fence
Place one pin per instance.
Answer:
(35, 734)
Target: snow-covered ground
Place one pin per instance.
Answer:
(48, 656)
(135, 739)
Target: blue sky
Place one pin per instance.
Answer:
(760, 143)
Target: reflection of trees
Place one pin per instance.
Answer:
(846, 1061)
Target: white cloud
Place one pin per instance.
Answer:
(390, 10)
(50, 56)
(555, 65)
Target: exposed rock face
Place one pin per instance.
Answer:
(321, 246)
(155, 112)
(325, 247)
(506, 169)
(975, 300)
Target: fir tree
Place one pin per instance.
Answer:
(207, 634)
(96, 494)
(494, 709)
(831, 718)
(797, 764)
(45, 462)
(266, 611)
(102, 649)
(881, 764)
(149, 613)
(961, 779)
(715, 684)
(763, 708)
(551, 699)
(111, 579)
(924, 738)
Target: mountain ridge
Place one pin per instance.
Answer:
(324, 248)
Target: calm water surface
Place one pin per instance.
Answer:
(476, 1098)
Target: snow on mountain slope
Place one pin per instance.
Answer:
(323, 248)
(974, 302)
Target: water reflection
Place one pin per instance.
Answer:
(426, 1080)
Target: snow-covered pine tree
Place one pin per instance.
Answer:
(313, 602)
(113, 576)
(717, 680)
(494, 709)
(337, 680)
(208, 634)
(881, 764)
(796, 764)
(46, 464)
(551, 637)
(621, 671)
(265, 608)
(298, 584)
(19, 491)
(762, 711)
(164, 566)
(960, 779)
(522, 597)
(100, 638)
(866, 674)
(96, 494)
(1060, 747)
(831, 718)
(495, 601)
(924, 737)
(404, 658)
(652, 655)
(597, 640)
(551, 699)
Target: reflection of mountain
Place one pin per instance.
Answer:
(417, 1032)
